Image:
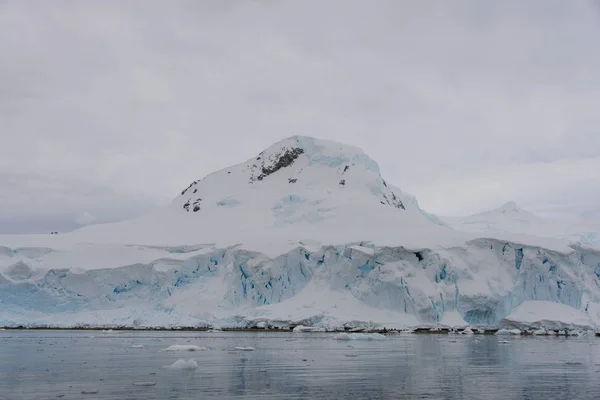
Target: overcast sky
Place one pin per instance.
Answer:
(110, 108)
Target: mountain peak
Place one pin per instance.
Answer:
(296, 189)
(300, 166)
(509, 206)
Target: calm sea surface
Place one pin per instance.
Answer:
(94, 365)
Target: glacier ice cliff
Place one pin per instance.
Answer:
(483, 281)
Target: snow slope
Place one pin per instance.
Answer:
(510, 218)
(307, 232)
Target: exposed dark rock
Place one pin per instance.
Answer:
(197, 205)
(188, 188)
(346, 168)
(394, 201)
(343, 182)
(285, 159)
(292, 180)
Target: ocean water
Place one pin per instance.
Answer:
(37, 364)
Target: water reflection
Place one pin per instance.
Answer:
(48, 364)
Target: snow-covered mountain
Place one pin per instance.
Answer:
(510, 218)
(309, 232)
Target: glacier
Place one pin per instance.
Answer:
(306, 233)
(483, 281)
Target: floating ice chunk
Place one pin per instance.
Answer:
(111, 331)
(184, 364)
(434, 330)
(502, 332)
(359, 336)
(562, 333)
(144, 383)
(575, 333)
(357, 329)
(261, 325)
(184, 347)
(515, 331)
(302, 328)
(137, 346)
(467, 331)
(540, 332)
(240, 348)
(503, 341)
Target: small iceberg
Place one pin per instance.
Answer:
(184, 364)
(503, 341)
(502, 332)
(240, 348)
(467, 331)
(540, 332)
(359, 336)
(111, 331)
(515, 331)
(137, 346)
(184, 347)
(302, 328)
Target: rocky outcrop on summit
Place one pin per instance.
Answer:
(275, 162)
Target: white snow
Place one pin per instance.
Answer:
(184, 347)
(453, 319)
(467, 331)
(547, 315)
(359, 336)
(241, 348)
(511, 219)
(184, 364)
(324, 242)
(302, 328)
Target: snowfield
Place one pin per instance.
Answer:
(306, 233)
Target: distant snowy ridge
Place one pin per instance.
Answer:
(305, 233)
(509, 218)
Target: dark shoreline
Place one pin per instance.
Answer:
(422, 330)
